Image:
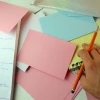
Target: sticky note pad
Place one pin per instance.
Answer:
(67, 27)
(10, 15)
(46, 53)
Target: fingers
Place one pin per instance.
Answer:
(86, 58)
(85, 46)
(84, 55)
(95, 52)
(98, 49)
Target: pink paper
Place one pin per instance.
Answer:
(46, 53)
(90, 97)
(10, 15)
(42, 86)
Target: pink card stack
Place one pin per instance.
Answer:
(48, 77)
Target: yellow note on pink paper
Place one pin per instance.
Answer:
(10, 15)
(46, 53)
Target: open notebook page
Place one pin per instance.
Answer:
(7, 48)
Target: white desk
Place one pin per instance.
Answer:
(20, 93)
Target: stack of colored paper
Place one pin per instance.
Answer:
(49, 54)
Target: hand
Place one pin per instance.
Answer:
(90, 81)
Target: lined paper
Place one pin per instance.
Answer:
(7, 48)
(30, 21)
(46, 53)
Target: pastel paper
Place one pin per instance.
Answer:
(30, 21)
(46, 53)
(66, 27)
(42, 86)
(10, 15)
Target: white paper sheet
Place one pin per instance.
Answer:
(22, 66)
(7, 48)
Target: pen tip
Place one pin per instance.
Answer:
(72, 91)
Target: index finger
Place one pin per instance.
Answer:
(86, 58)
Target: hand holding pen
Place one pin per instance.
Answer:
(90, 56)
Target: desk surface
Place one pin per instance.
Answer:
(20, 93)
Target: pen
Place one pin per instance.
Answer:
(82, 66)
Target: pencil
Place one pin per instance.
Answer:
(82, 66)
(15, 58)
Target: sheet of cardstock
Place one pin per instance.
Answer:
(90, 97)
(46, 53)
(67, 27)
(30, 21)
(42, 86)
(85, 39)
(86, 7)
(10, 15)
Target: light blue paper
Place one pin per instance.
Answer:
(65, 27)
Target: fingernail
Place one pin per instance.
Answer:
(84, 44)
